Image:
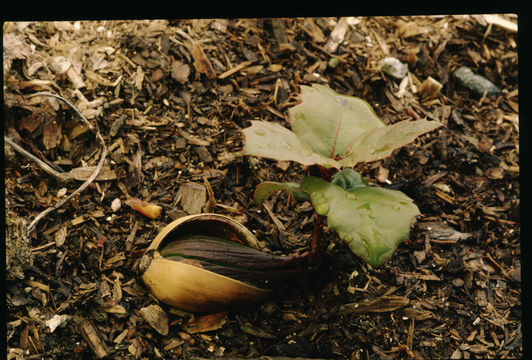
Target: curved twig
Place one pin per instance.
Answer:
(91, 178)
(43, 165)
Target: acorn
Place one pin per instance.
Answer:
(209, 262)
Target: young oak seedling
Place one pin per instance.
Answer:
(335, 132)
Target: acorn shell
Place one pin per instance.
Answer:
(192, 288)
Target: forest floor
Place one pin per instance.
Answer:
(170, 98)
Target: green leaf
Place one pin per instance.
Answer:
(265, 189)
(328, 122)
(349, 179)
(331, 130)
(372, 221)
(271, 140)
(379, 143)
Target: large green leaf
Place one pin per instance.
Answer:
(271, 140)
(373, 221)
(328, 122)
(379, 143)
(331, 130)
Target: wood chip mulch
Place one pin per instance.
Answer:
(169, 99)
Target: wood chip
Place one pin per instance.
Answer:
(501, 22)
(152, 211)
(92, 337)
(192, 139)
(416, 313)
(274, 218)
(495, 173)
(382, 304)
(156, 317)
(180, 72)
(430, 88)
(193, 198)
(204, 154)
(51, 136)
(313, 30)
(173, 343)
(440, 231)
(60, 236)
(114, 309)
(55, 321)
(257, 332)
(75, 77)
(83, 173)
(202, 64)
(139, 78)
(418, 276)
(205, 323)
(337, 36)
(32, 121)
(444, 196)
(235, 69)
(121, 336)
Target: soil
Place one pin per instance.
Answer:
(169, 99)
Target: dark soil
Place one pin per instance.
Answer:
(169, 98)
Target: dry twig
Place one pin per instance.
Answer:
(87, 182)
(43, 165)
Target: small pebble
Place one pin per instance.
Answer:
(61, 192)
(333, 63)
(116, 204)
(393, 67)
(475, 83)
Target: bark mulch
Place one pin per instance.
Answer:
(169, 99)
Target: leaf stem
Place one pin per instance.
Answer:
(325, 173)
(316, 243)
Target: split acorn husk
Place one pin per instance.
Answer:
(209, 262)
